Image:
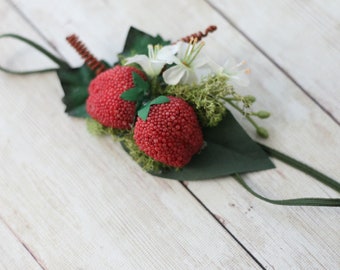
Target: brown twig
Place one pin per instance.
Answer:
(199, 35)
(91, 61)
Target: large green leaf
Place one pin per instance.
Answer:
(75, 83)
(137, 43)
(229, 150)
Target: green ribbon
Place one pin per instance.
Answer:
(58, 61)
(324, 179)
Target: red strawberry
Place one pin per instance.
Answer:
(171, 133)
(104, 103)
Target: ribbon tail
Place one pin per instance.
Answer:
(58, 61)
(324, 179)
(292, 202)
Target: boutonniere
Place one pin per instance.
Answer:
(169, 105)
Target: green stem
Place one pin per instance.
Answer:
(230, 101)
(154, 84)
(61, 63)
(292, 202)
(302, 167)
(28, 72)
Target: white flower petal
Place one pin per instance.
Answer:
(151, 67)
(229, 64)
(181, 49)
(240, 79)
(167, 54)
(200, 61)
(189, 77)
(236, 72)
(174, 74)
(156, 67)
(203, 71)
(215, 68)
(139, 59)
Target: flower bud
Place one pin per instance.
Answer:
(263, 114)
(250, 99)
(262, 132)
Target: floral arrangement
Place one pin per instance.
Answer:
(167, 104)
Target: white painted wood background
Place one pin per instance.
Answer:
(69, 200)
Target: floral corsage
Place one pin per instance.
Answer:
(169, 105)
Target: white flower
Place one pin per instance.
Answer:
(157, 57)
(236, 73)
(190, 65)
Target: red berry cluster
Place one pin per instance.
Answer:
(171, 134)
(104, 103)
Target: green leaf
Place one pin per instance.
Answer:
(139, 90)
(137, 42)
(144, 112)
(160, 100)
(133, 94)
(75, 83)
(229, 150)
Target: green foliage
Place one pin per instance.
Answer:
(75, 82)
(205, 98)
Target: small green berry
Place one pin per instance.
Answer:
(250, 99)
(262, 132)
(263, 114)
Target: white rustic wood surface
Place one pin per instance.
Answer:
(300, 37)
(69, 200)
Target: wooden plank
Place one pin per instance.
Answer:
(302, 38)
(14, 255)
(78, 201)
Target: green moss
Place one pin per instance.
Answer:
(95, 128)
(206, 98)
(126, 138)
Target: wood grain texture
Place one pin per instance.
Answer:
(279, 237)
(302, 37)
(78, 201)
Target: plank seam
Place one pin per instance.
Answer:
(221, 222)
(35, 258)
(286, 73)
